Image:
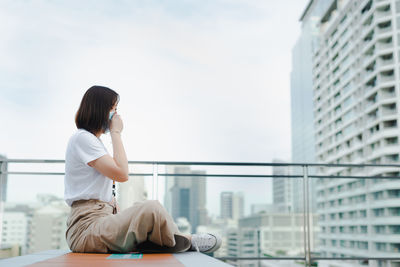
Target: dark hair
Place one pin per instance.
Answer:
(93, 112)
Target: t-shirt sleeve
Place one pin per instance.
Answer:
(89, 148)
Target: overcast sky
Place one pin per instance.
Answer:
(198, 80)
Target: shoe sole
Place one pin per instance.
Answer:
(182, 244)
(216, 246)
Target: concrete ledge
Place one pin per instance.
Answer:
(66, 258)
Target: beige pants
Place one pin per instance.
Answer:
(93, 228)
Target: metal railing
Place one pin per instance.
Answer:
(306, 175)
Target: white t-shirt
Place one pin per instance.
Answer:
(82, 181)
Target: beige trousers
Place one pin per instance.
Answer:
(93, 228)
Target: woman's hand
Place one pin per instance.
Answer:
(116, 123)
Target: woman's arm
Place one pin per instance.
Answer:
(115, 168)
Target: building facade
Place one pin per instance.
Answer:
(356, 101)
(15, 230)
(232, 205)
(265, 235)
(282, 188)
(185, 196)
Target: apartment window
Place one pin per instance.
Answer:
(379, 229)
(363, 245)
(394, 229)
(341, 229)
(380, 246)
(363, 229)
(378, 212)
(353, 229)
(367, 7)
(363, 213)
(394, 211)
(390, 124)
(352, 214)
(391, 140)
(351, 185)
(341, 215)
(333, 243)
(395, 193)
(395, 247)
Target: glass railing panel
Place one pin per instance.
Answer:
(359, 215)
(239, 207)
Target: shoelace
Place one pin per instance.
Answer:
(196, 245)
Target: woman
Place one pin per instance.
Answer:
(93, 225)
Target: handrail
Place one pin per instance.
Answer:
(216, 163)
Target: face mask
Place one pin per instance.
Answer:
(111, 115)
(107, 130)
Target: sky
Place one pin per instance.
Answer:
(198, 80)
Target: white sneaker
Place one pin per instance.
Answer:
(206, 243)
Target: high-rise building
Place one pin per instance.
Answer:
(282, 188)
(356, 100)
(301, 92)
(185, 196)
(232, 205)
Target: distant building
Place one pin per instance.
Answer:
(302, 105)
(262, 208)
(7, 251)
(48, 227)
(131, 191)
(185, 196)
(232, 205)
(183, 225)
(15, 230)
(282, 188)
(263, 235)
(356, 89)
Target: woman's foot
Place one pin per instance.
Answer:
(205, 243)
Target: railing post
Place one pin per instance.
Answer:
(3, 186)
(155, 181)
(306, 199)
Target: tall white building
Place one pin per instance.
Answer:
(15, 230)
(232, 205)
(282, 188)
(356, 100)
(48, 227)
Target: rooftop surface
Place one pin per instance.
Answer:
(63, 258)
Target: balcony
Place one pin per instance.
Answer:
(274, 232)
